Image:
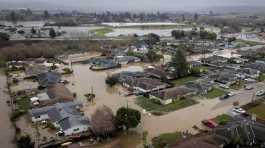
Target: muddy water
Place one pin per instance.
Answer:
(181, 120)
(7, 132)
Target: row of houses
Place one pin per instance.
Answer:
(53, 103)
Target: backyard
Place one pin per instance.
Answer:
(215, 92)
(182, 81)
(258, 110)
(159, 109)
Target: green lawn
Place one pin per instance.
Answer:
(223, 119)
(259, 110)
(102, 32)
(249, 43)
(261, 78)
(23, 104)
(184, 80)
(167, 139)
(158, 109)
(215, 92)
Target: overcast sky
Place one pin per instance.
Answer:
(121, 5)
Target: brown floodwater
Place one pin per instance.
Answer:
(7, 131)
(84, 80)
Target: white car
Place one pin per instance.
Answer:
(239, 110)
(260, 93)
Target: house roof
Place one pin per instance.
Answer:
(247, 129)
(48, 78)
(35, 70)
(172, 93)
(60, 92)
(155, 72)
(147, 83)
(65, 114)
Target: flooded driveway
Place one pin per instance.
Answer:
(7, 131)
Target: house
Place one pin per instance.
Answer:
(249, 72)
(167, 96)
(227, 77)
(35, 70)
(48, 78)
(39, 98)
(258, 65)
(215, 61)
(64, 116)
(200, 87)
(155, 73)
(145, 85)
(250, 132)
(59, 93)
(195, 64)
(126, 59)
(127, 79)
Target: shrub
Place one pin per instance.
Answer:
(111, 80)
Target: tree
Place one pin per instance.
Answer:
(152, 39)
(33, 30)
(52, 33)
(179, 63)
(103, 122)
(196, 16)
(111, 80)
(4, 36)
(46, 15)
(25, 142)
(152, 56)
(13, 17)
(177, 34)
(127, 118)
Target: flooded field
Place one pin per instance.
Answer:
(161, 32)
(7, 131)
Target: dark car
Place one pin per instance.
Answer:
(224, 97)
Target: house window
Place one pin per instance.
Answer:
(37, 117)
(77, 129)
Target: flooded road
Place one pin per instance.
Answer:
(7, 131)
(84, 81)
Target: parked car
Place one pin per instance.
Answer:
(239, 110)
(209, 123)
(226, 96)
(260, 93)
(224, 86)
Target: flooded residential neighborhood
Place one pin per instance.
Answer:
(137, 74)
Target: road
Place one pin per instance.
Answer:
(185, 119)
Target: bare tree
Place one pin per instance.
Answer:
(103, 122)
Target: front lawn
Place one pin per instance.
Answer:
(215, 92)
(158, 109)
(166, 140)
(222, 119)
(182, 81)
(259, 110)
